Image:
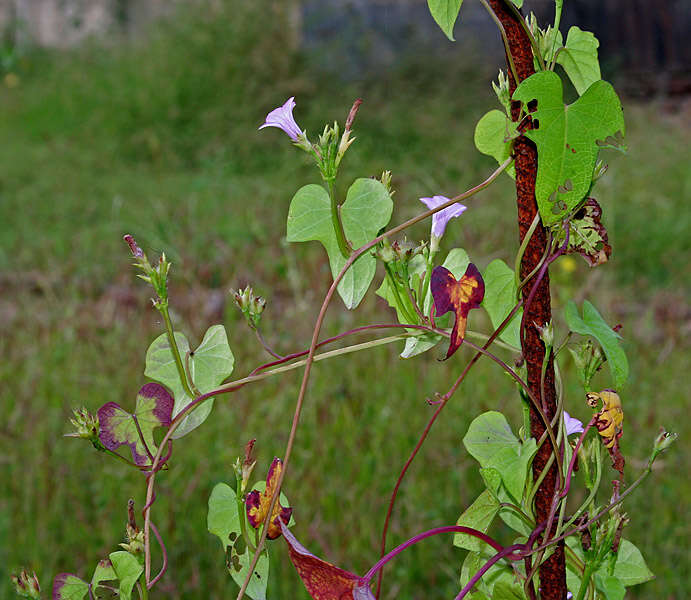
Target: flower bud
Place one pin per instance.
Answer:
(86, 427)
(251, 306)
(546, 334)
(386, 181)
(600, 169)
(26, 584)
(501, 89)
(588, 359)
(663, 441)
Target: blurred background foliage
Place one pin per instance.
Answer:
(153, 133)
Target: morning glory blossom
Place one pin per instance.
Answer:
(282, 117)
(572, 424)
(440, 219)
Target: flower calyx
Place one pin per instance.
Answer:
(26, 584)
(251, 306)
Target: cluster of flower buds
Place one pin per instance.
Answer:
(501, 89)
(588, 358)
(157, 276)
(399, 251)
(548, 40)
(251, 306)
(26, 584)
(86, 427)
(134, 536)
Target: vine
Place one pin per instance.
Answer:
(551, 150)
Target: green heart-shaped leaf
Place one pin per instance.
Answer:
(366, 210)
(493, 136)
(579, 59)
(491, 442)
(209, 365)
(128, 569)
(500, 298)
(568, 139)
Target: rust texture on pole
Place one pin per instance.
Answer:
(553, 571)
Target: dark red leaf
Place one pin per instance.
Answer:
(459, 296)
(323, 580)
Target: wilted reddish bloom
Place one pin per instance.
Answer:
(257, 504)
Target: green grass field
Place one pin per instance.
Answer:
(157, 138)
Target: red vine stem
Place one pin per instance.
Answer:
(445, 398)
(315, 338)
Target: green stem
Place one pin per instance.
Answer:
(163, 309)
(343, 244)
(502, 31)
(428, 277)
(404, 305)
(521, 252)
(585, 581)
(241, 516)
(593, 491)
(143, 591)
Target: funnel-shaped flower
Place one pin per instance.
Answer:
(440, 219)
(573, 425)
(282, 117)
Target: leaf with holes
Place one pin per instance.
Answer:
(223, 520)
(579, 59)
(209, 365)
(117, 427)
(568, 139)
(366, 210)
(445, 13)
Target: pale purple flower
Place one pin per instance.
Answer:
(440, 219)
(573, 425)
(282, 117)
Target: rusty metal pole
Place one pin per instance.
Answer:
(552, 572)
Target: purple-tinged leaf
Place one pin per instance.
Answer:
(69, 587)
(323, 580)
(459, 296)
(154, 408)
